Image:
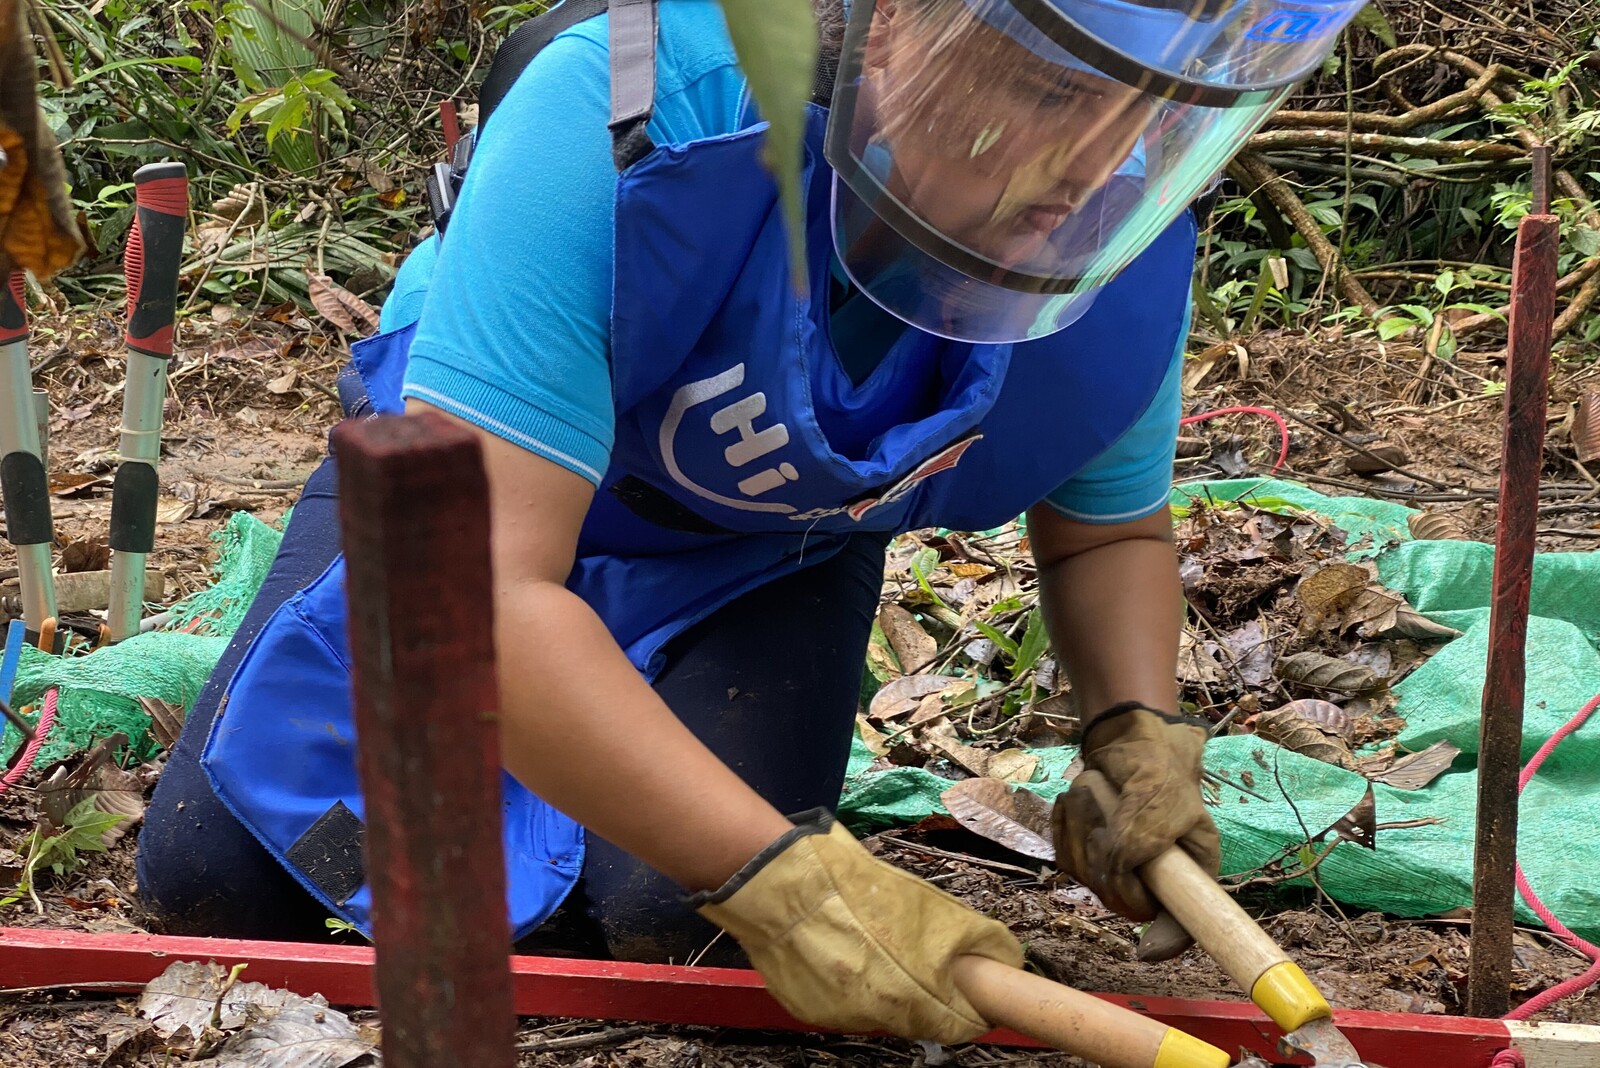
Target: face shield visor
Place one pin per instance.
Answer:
(996, 161)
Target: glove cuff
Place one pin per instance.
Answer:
(1119, 710)
(812, 821)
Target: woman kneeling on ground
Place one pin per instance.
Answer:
(696, 464)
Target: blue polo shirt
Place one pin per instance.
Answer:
(513, 311)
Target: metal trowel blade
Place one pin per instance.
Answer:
(1323, 1043)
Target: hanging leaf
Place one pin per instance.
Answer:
(777, 45)
(38, 228)
(341, 307)
(1438, 526)
(1416, 770)
(1298, 735)
(1360, 824)
(1017, 819)
(1320, 672)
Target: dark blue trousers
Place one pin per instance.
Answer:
(770, 683)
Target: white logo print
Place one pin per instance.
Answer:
(752, 444)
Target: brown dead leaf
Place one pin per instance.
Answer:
(1298, 735)
(73, 484)
(1416, 770)
(913, 646)
(115, 792)
(88, 554)
(1321, 672)
(897, 697)
(171, 510)
(963, 569)
(1436, 526)
(1586, 427)
(1377, 459)
(1326, 592)
(1410, 623)
(876, 742)
(1012, 765)
(1324, 715)
(941, 737)
(1196, 666)
(284, 382)
(341, 307)
(166, 721)
(1360, 824)
(1016, 819)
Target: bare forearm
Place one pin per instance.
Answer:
(582, 729)
(1115, 611)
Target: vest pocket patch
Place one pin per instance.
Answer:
(329, 853)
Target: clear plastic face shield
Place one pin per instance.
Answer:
(996, 161)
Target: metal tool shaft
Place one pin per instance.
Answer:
(24, 484)
(155, 248)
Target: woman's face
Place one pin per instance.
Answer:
(992, 145)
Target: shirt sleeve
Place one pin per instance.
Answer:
(1133, 478)
(513, 335)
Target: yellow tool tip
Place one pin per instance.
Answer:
(1284, 993)
(1180, 1050)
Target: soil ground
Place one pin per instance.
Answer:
(252, 400)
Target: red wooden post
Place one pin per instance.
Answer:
(414, 510)
(1533, 299)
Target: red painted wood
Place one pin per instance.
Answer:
(1533, 302)
(605, 990)
(414, 512)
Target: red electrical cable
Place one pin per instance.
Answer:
(47, 719)
(1245, 409)
(1592, 976)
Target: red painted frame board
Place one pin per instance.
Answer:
(721, 997)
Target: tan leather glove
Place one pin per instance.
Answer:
(1138, 795)
(847, 941)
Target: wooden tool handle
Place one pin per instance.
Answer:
(1224, 930)
(1078, 1023)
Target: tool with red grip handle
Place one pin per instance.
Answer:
(24, 483)
(155, 248)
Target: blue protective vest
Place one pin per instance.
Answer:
(741, 443)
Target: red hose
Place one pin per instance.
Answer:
(47, 719)
(1508, 1058)
(1245, 409)
(1592, 976)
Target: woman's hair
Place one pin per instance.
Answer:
(830, 30)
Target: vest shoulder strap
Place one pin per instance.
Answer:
(525, 42)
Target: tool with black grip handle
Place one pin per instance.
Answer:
(24, 483)
(155, 247)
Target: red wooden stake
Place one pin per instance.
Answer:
(1533, 300)
(414, 511)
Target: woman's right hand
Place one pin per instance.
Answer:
(847, 941)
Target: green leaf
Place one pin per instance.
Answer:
(1371, 19)
(1035, 640)
(999, 637)
(777, 45)
(1445, 283)
(1390, 329)
(188, 63)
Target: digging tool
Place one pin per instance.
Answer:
(1254, 961)
(24, 481)
(155, 246)
(1078, 1023)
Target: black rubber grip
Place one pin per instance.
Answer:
(155, 253)
(133, 508)
(26, 488)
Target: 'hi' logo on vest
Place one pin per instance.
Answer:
(752, 448)
(1285, 25)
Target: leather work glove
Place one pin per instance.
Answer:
(1139, 793)
(847, 941)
